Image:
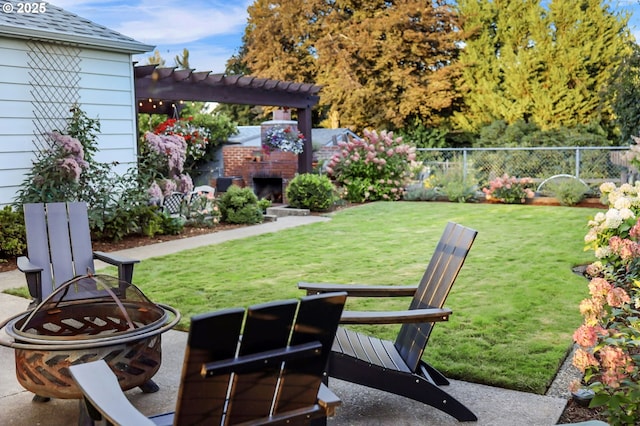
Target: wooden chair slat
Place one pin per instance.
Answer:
(38, 246)
(60, 244)
(317, 320)
(342, 343)
(213, 336)
(80, 238)
(267, 327)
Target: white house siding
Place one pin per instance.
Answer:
(39, 82)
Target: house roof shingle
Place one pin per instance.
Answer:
(57, 24)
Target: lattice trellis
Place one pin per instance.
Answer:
(54, 77)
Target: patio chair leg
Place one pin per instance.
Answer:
(39, 399)
(149, 387)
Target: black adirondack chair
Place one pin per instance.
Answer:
(59, 248)
(269, 372)
(397, 367)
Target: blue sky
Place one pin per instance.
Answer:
(211, 29)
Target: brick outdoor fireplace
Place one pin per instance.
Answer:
(268, 175)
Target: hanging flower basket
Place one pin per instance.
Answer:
(287, 139)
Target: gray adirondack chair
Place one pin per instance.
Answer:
(59, 248)
(397, 367)
(268, 371)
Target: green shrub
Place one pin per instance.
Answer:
(569, 191)
(240, 205)
(456, 186)
(264, 204)
(12, 233)
(311, 191)
(418, 192)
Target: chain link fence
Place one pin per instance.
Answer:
(592, 165)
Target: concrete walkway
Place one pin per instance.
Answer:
(361, 405)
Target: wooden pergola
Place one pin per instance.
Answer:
(160, 90)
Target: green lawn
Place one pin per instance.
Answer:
(515, 303)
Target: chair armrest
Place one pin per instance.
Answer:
(100, 388)
(396, 317)
(359, 290)
(328, 400)
(24, 265)
(33, 275)
(112, 259)
(124, 264)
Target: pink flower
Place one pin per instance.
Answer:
(154, 191)
(587, 336)
(583, 360)
(612, 378)
(617, 297)
(591, 310)
(70, 168)
(599, 288)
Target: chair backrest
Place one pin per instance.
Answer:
(434, 287)
(201, 191)
(270, 367)
(59, 241)
(172, 203)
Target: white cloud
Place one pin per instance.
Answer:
(175, 24)
(163, 21)
(211, 29)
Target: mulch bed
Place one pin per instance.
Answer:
(574, 413)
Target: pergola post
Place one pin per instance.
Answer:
(304, 126)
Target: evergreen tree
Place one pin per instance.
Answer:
(183, 62)
(625, 92)
(156, 59)
(551, 66)
(381, 64)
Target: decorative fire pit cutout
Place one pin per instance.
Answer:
(117, 323)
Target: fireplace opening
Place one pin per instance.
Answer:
(269, 188)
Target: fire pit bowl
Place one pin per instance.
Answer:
(89, 318)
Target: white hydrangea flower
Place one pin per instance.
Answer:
(591, 236)
(602, 252)
(599, 217)
(626, 188)
(622, 203)
(607, 187)
(613, 219)
(613, 197)
(627, 214)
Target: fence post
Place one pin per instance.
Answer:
(577, 162)
(464, 165)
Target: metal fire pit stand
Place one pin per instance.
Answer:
(88, 318)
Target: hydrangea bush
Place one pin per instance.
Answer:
(196, 138)
(509, 189)
(164, 158)
(56, 171)
(609, 339)
(376, 167)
